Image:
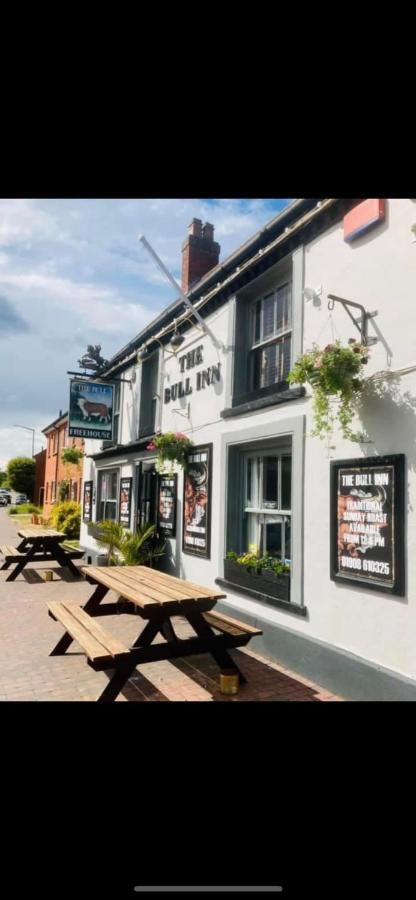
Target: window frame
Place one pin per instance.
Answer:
(100, 473)
(264, 515)
(276, 339)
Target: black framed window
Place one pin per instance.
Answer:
(148, 392)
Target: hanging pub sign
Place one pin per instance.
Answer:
(91, 410)
(125, 501)
(196, 531)
(87, 502)
(367, 522)
(166, 506)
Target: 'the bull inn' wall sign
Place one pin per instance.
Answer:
(203, 378)
(367, 523)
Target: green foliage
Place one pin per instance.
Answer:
(110, 534)
(71, 455)
(63, 490)
(25, 509)
(255, 563)
(171, 446)
(21, 475)
(135, 549)
(3, 480)
(66, 517)
(72, 525)
(140, 548)
(336, 372)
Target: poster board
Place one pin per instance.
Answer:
(125, 501)
(166, 505)
(197, 501)
(367, 523)
(87, 502)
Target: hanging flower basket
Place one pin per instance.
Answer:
(71, 455)
(172, 447)
(334, 373)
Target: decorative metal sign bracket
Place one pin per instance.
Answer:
(95, 376)
(361, 323)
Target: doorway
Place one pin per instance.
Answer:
(146, 509)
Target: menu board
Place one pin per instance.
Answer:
(367, 522)
(196, 531)
(125, 501)
(87, 502)
(167, 497)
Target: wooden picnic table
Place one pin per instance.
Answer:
(37, 544)
(157, 598)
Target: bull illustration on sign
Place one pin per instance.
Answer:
(90, 410)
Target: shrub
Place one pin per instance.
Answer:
(65, 516)
(25, 509)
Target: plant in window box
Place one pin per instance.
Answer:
(333, 373)
(264, 574)
(172, 447)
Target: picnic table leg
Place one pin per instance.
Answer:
(122, 672)
(63, 559)
(221, 656)
(22, 563)
(66, 640)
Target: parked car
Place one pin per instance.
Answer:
(20, 498)
(3, 500)
(5, 493)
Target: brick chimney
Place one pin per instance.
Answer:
(200, 253)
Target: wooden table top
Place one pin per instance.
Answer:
(37, 531)
(148, 588)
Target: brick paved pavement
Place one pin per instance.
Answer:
(28, 634)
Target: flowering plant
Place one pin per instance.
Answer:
(171, 446)
(257, 563)
(335, 371)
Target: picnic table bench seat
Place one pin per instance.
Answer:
(72, 552)
(102, 649)
(10, 553)
(228, 625)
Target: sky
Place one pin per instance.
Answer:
(72, 273)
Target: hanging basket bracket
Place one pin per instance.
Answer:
(360, 323)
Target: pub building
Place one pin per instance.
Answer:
(341, 515)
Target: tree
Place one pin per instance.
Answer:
(21, 475)
(3, 478)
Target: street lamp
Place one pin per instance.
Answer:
(33, 435)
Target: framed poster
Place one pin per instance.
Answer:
(166, 505)
(87, 502)
(125, 501)
(91, 410)
(196, 530)
(367, 522)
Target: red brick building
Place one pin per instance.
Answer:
(39, 490)
(56, 471)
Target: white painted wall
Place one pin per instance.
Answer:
(377, 270)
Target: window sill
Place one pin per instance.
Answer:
(286, 605)
(263, 402)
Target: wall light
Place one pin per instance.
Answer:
(314, 295)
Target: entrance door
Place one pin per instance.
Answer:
(146, 494)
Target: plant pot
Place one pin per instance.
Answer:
(263, 582)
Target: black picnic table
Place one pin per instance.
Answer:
(157, 598)
(39, 544)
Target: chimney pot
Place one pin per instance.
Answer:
(195, 227)
(208, 231)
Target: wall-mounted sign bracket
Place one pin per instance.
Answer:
(361, 323)
(95, 377)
